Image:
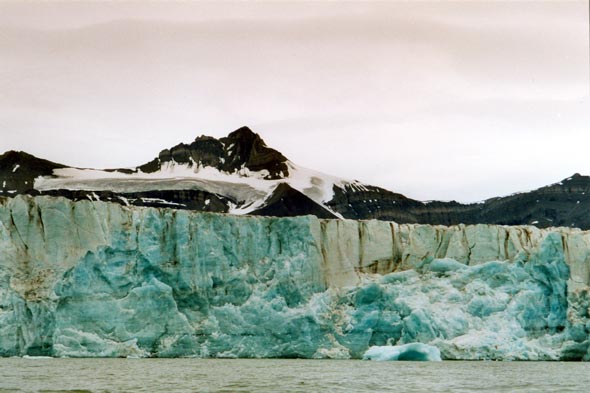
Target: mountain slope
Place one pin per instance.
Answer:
(566, 203)
(285, 201)
(240, 174)
(18, 171)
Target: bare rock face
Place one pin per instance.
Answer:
(248, 149)
(18, 171)
(285, 201)
(240, 149)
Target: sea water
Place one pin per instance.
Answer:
(281, 375)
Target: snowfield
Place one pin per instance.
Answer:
(248, 188)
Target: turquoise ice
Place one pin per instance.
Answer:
(99, 279)
(406, 352)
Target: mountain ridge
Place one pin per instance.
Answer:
(240, 174)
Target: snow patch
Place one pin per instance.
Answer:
(125, 201)
(162, 201)
(15, 168)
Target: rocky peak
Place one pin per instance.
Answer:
(241, 149)
(244, 134)
(245, 148)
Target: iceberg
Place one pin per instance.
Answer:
(98, 279)
(406, 352)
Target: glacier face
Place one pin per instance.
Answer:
(99, 279)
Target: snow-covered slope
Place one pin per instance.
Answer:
(247, 186)
(249, 189)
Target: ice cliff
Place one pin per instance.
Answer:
(100, 279)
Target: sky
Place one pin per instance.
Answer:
(450, 100)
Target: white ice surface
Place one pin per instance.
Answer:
(413, 351)
(247, 187)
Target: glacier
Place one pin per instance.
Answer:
(97, 279)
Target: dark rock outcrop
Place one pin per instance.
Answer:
(18, 171)
(286, 201)
(178, 199)
(566, 203)
(241, 149)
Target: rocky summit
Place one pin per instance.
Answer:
(240, 174)
(240, 149)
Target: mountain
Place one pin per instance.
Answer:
(566, 203)
(240, 174)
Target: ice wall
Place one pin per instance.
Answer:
(98, 279)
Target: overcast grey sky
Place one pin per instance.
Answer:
(436, 100)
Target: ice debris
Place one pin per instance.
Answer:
(406, 352)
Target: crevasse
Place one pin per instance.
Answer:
(99, 279)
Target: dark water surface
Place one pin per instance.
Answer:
(245, 375)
